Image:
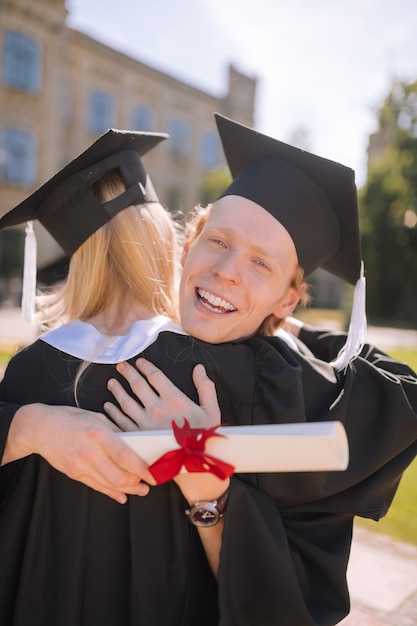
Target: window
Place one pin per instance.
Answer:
(143, 118)
(17, 156)
(210, 150)
(180, 138)
(101, 112)
(21, 62)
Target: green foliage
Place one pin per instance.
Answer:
(4, 357)
(214, 183)
(407, 355)
(389, 214)
(400, 522)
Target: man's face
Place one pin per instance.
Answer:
(236, 273)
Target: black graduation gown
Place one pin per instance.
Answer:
(71, 556)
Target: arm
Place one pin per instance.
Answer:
(163, 403)
(81, 444)
(282, 564)
(269, 562)
(325, 344)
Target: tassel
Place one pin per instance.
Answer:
(29, 274)
(357, 327)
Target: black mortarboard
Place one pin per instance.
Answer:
(66, 204)
(313, 198)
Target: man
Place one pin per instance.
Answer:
(286, 538)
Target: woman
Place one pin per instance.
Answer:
(118, 297)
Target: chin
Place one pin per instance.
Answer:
(198, 332)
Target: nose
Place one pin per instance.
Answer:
(228, 268)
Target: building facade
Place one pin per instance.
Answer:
(60, 89)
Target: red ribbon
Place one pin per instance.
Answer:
(191, 455)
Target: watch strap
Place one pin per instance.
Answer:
(218, 505)
(221, 503)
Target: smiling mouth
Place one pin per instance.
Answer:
(214, 303)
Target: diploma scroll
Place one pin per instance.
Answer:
(300, 447)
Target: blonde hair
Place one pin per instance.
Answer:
(270, 324)
(133, 258)
(135, 254)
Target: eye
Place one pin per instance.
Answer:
(260, 263)
(217, 241)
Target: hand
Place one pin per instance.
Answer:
(81, 444)
(162, 401)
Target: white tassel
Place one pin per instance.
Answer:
(357, 327)
(29, 274)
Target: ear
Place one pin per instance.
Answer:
(287, 304)
(185, 250)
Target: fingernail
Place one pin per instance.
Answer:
(143, 489)
(110, 383)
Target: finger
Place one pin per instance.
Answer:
(129, 405)
(141, 489)
(117, 484)
(126, 484)
(116, 466)
(122, 421)
(138, 384)
(207, 395)
(126, 459)
(159, 381)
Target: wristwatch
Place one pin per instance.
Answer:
(208, 513)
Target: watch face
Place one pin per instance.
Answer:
(204, 515)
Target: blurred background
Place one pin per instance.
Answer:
(336, 78)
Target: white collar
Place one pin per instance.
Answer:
(287, 338)
(85, 342)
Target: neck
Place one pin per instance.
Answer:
(119, 318)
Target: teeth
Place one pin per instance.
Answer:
(218, 304)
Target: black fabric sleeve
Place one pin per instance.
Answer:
(376, 401)
(7, 413)
(280, 566)
(326, 344)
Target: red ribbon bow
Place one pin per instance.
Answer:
(191, 455)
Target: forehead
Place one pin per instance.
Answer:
(245, 221)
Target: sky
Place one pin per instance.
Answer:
(324, 67)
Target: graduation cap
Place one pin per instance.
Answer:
(314, 198)
(67, 206)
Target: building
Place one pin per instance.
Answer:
(60, 89)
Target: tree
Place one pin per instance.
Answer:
(214, 183)
(389, 212)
